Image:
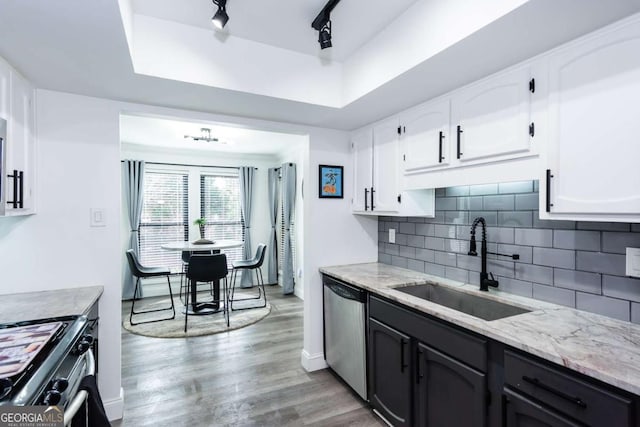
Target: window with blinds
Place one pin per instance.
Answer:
(164, 218)
(220, 207)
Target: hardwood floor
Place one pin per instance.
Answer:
(248, 377)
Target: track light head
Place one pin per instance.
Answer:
(220, 18)
(322, 24)
(324, 35)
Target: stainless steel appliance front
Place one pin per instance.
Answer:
(345, 333)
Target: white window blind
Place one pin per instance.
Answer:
(220, 206)
(164, 218)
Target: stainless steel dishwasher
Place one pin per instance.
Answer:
(345, 334)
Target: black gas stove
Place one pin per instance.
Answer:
(42, 361)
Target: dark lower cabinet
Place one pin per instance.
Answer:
(522, 412)
(448, 392)
(390, 373)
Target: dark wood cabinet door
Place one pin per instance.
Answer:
(390, 373)
(522, 412)
(448, 392)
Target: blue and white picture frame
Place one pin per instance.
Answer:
(331, 182)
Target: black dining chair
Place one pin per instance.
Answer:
(207, 268)
(250, 264)
(186, 256)
(141, 272)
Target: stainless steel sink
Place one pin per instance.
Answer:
(470, 304)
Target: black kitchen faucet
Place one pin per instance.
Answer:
(485, 282)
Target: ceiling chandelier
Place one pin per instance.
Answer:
(205, 135)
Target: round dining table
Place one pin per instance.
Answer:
(200, 308)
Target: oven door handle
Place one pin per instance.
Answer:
(73, 408)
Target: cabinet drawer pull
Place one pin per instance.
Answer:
(21, 190)
(402, 364)
(366, 194)
(536, 382)
(372, 191)
(459, 132)
(549, 176)
(440, 158)
(418, 374)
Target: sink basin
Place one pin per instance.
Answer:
(470, 304)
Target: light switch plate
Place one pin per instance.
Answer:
(633, 262)
(392, 235)
(97, 217)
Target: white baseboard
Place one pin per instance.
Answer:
(313, 362)
(115, 407)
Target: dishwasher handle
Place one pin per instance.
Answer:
(345, 291)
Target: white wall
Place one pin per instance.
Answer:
(78, 168)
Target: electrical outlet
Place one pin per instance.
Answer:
(633, 262)
(392, 235)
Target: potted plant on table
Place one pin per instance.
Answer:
(201, 222)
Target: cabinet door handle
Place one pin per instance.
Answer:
(549, 176)
(459, 132)
(536, 382)
(21, 190)
(418, 374)
(372, 191)
(440, 158)
(402, 364)
(366, 194)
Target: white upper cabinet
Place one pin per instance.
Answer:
(5, 78)
(385, 166)
(17, 107)
(376, 159)
(594, 145)
(491, 119)
(362, 152)
(425, 136)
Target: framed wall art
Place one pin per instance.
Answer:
(331, 182)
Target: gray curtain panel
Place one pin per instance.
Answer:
(288, 200)
(246, 194)
(272, 246)
(133, 179)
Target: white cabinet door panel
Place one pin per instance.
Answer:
(385, 166)
(425, 136)
(594, 147)
(362, 151)
(5, 73)
(493, 116)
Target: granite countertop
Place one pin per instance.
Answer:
(45, 304)
(597, 346)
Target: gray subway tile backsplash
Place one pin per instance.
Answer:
(534, 237)
(554, 257)
(599, 262)
(611, 307)
(578, 280)
(577, 264)
(577, 239)
(618, 243)
(515, 219)
(499, 203)
(554, 295)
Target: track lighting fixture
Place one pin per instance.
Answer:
(220, 18)
(324, 35)
(322, 24)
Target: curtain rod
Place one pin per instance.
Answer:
(290, 164)
(197, 166)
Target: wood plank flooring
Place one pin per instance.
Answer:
(248, 377)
